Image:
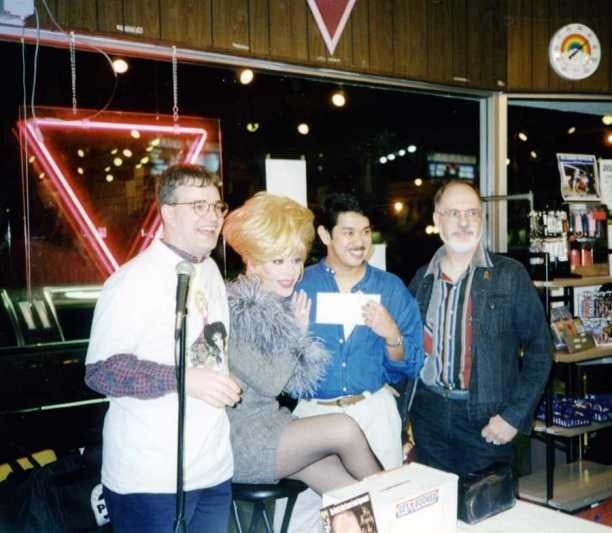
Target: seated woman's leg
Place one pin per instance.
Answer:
(325, 451)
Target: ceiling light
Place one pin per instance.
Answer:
(401, 152)
(252, 127)
(338, 99)
(533, 154)
(418, 182)
(144, 160)
(117, 161)
(109, 178)
(429, 229)
(303, 128)
(398, 207)
(114, 151)
(107, 169)
(41, 176)
(607, 120)
(127, 152)
(149, 149)
(246, 76)
(609, 140)
(571, 130)
(382, 160)
(31, 159)
(120, 66)
(80, 171)
(507, 161)
(155, 142)
(135, 134)
(81, 152)
(522, 136)
(411, 149)
(391, 157)
(139, 165)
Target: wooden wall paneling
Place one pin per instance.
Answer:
(460, 34)
(561, 13)
(259, 27)
(410, 38)
(186, 22)
(76, 14)
(230, 25)
(487, 43)
(289, 30)
(381, 36)
(44, 21)
(142, 18)
(317, 51)
(500, 45)
(360, 35)
(111, 15)
(596, 15)
(439, 41)
(540, 38)
(519, 59)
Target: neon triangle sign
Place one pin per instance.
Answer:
(331, 17)
(142, 147)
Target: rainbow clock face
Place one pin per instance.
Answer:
(574, 52)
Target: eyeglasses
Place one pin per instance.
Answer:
(202, 207)
(457, 214)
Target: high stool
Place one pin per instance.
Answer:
(258, 495)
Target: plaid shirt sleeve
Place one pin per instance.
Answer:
(126, 375)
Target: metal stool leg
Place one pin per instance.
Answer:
(236, 516)
(288, 510)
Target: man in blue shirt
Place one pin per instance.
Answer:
(381, 349)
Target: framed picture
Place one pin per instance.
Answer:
(579, 177)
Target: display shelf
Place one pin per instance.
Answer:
(573, 282)
(559, 431)
(577, 485)
(584, 355)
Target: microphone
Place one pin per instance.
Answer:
(184, 271)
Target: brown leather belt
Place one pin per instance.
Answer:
(343, 401)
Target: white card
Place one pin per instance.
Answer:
(343, 308)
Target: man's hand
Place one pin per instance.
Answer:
(498, 431)
(211, 386)
(378, 319)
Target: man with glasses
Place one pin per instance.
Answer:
(486, 340)
(131, 360)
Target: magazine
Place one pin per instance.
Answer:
(594, 306)
(354, 515)
(568, 332)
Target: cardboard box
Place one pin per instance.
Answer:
(413, 497)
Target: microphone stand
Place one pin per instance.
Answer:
(181, 342)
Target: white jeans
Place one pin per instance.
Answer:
(379, 419)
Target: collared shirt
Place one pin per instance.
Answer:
(447, 332)
(361, 361)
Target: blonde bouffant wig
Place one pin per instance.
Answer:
(268, 227)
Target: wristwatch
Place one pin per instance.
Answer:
(398, 341)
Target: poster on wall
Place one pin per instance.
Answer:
(579, 177)
(605, 176)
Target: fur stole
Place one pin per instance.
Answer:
(262, 319)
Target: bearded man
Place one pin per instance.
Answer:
(486, 340)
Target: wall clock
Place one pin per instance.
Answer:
(574, 52)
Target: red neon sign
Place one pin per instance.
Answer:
(47, 139)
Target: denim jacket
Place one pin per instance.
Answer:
(507, 320)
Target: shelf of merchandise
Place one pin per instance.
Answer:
(586, 281)
(559, 431)
(584, 355)
(577, 485)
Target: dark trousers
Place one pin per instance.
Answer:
(206, 510)
(446, 439)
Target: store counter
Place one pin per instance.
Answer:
(527, 517)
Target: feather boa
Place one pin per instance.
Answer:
(262, 319)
